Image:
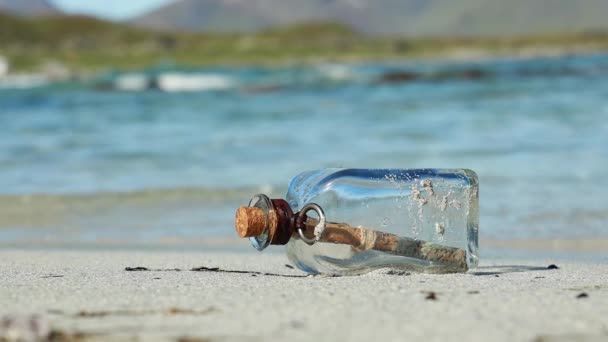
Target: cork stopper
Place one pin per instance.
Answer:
(250, 221)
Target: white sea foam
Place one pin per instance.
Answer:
(132, 82)
(181, 82)
(337, 72)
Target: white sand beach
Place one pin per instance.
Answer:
(256, 297)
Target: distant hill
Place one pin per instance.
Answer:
(409, 17)
(81, 43)
(28, 8)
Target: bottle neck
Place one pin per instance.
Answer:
(281, 232)
(269, 221)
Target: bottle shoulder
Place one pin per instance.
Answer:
(357, 182)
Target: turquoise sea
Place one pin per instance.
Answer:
(162, 158)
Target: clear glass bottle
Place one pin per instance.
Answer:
(424, 220)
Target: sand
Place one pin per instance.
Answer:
(89, 292)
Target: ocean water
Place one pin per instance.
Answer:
(109, 162)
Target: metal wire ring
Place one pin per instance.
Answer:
(319, 228)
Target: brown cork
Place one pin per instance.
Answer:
(272, 224)
(250, 221)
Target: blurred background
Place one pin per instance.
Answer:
(145, 123)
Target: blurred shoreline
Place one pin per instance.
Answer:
(76, 47)
(52, 70)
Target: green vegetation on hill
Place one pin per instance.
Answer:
(87, 44)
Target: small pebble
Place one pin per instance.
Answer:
(552, 267)
(582, 295)
(431, 296)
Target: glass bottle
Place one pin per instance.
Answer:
(350, 221)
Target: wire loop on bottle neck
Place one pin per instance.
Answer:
(319, 228)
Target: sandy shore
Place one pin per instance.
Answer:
(90, 295)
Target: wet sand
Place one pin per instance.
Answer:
(214, 296)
